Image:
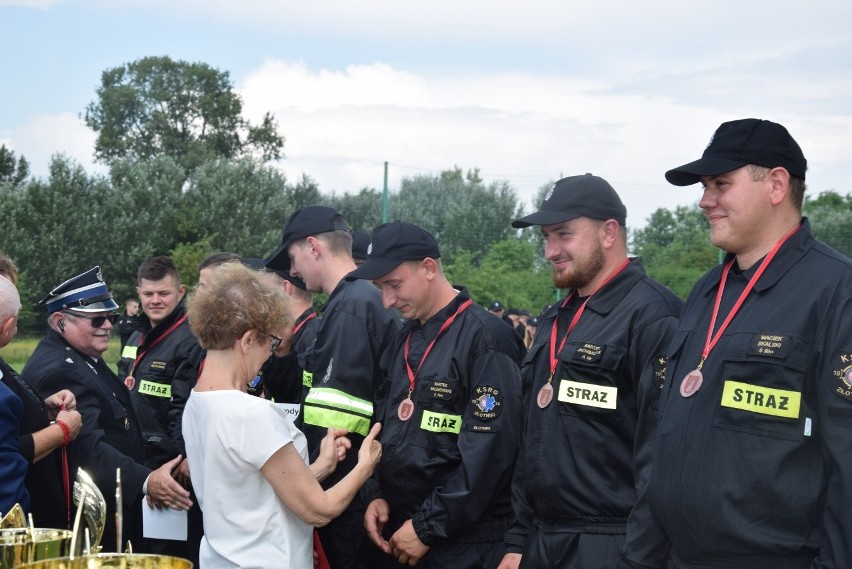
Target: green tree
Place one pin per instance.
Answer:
(188, 111)
(830, 215)
(459, 210)
(57, 228)
(12, 171)
(509, 272)
(675, 247)
(362, 210)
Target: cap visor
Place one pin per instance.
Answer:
(106, 305)
(544, 217)
(691, 173)
(278, 260)
(374, 269)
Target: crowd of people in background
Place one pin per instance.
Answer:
(406, 423)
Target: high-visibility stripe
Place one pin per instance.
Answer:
(322, 417)
(155, 389)
(339, 400)
(307, 379)
(129, 352)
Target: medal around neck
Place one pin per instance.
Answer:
(405, 410)
(545, 395)
(691, 383)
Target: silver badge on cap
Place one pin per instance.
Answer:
(370, 248)
(550, 192)
(100, 276)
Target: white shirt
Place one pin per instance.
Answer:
(229, 436)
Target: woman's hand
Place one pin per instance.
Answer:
(371, 450)
(332, 450)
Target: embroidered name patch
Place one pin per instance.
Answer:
(588, 353)
(773, 345)
(759, 399)
(441, 390)
(158, 365)
(440, 422)
(587, 394)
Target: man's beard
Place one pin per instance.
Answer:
(585, 269)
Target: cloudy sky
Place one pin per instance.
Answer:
(524, 91)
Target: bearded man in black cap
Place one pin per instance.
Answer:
(752, 467)
(81, 316)
(452, 422)
(594, 370)
(343, 369)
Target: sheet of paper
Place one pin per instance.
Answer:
(163, 524)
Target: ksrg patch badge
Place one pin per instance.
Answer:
(843, 375)
(487, 402)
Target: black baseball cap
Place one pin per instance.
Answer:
(741, 142)
(360, 242)
(495, 306)
(309, 220)
(393, 243)
(577, 196)
(260, 265)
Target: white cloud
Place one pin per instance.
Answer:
(45, 135)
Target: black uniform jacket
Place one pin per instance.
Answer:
(583, 456)
(164, 378)
(755, 469)
(111, 436)
(282, 377)
(342, 371)
(44, 478)
(448, 468)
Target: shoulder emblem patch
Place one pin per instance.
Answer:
(487, 402)
(843, 375)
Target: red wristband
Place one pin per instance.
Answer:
(66, 431)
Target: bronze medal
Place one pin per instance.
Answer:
(545, 395)
(691, 383)
(406, 410)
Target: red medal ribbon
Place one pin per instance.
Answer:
(66, 478)
(411, 373)
(155, 342)
(554, 361)
(710, 343)
(307, 319)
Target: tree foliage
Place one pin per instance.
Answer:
(830, 215)
(156, 106)
(675, 247)
(12, 171)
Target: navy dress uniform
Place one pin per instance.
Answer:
(111, 437)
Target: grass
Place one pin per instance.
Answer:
(19, 350)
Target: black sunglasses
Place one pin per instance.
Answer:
(97, 321)
(276, 341)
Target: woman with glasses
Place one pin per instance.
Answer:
(249, 463)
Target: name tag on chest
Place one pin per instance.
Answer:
(587, 394)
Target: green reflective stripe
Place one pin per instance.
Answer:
(339, 400)
(155, 389)
(307, 379)
(322, 417)
(129, 352)
(440, 422)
